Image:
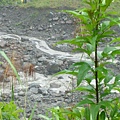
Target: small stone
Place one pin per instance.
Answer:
(62, 22)
(35, 85)
(4, 14)
(21, 93)
(23, 39)
(26, 58)
(55, 85)
(55, 18)
(69, 21)
(40, 29)
(2, 43)
(34, 90)
(53, 68)
(65, 18)
(53, 37)
(60, 77)
(43, 91)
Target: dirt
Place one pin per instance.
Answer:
(36, 22)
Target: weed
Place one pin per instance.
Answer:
(96, 27)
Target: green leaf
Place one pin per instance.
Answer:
(79, 14)
(32, 113)
(44, 117)
(106, 104)
(85, 101)
(108, 49)
(90, 48)
(94, 109)
(114, 111)
(87, 113)
(83, 70)
(102, 115)
(108, 78)
(115, 52)
(85, 88)
(89, 77)
(117, 78)
(74, 73)
(115, 40)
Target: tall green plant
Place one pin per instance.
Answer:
(97, 25)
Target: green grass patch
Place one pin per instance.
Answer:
(58, 4)
(54, 3)
(66, 3)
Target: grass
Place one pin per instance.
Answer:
(61, 3)
(53, 3)
(66, 3)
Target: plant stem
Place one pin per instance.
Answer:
(96, 59)
(96, 75)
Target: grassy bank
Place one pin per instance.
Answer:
(58, 3)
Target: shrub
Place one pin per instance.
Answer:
(96, 27)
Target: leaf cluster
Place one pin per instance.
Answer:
(9, 111)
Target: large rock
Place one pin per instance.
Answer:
(53, 68)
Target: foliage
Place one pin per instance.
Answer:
(97, 24)
(9, 111)
(9, 2)
(56, 4)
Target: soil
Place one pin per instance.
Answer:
(35, 22)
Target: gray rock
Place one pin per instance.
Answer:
(41, 59)
(60, 77)
(64, 48)
(40, 28)
(62, 22)
(26, 58)
(33, 97)
(53, 68)
(2, 43)
(21, 93)
(43, 91)
(35, 85)
(39, 98)
(69, 22)
(34, 90)
(23, 39)
(55, 19)
(55, 85)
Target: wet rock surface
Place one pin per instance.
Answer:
(27, 36)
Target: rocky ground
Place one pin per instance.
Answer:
(27, 35)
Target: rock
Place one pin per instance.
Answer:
(21, 93)
(26, 58)
(34, 85)
(53, 68)
(43, 91)
(55, 85)
(64, 48)
(2, 43)
(4, 14)
(62, 22)
(60, 77)
(23, 39)
(34, 90)
(40, 28)
(41, 59)
(69, 22)
(55, 19)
